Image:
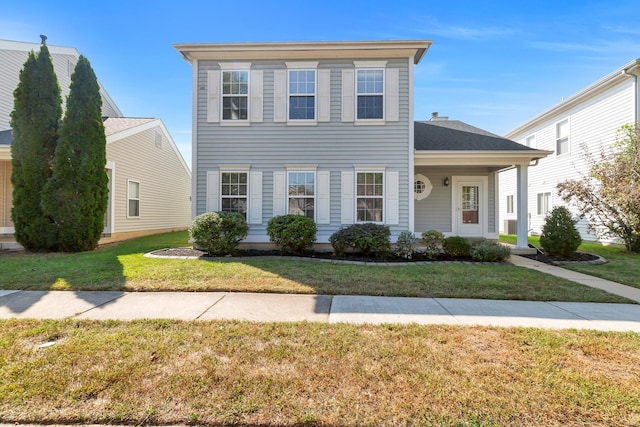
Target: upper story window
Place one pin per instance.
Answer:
(302, 94)
(562, 137)
(235, 95)
(301, 192)
(370, 94)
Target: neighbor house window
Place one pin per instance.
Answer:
(543, 203)
(133, 195)
(370, 94)
(531, 141)
(302, 94)
(234, 192)
(369, 196)
(235, 95)
(302, 193)
(510, 204)
(562, 137)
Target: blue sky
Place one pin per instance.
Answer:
(492, 64)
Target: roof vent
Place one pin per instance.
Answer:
(436, 118)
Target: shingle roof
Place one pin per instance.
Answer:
(118, 124)
(5, 137)
(442, 135)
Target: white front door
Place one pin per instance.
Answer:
(469, 206)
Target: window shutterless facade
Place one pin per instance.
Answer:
(235, 95)
(369, 197)
(233, 192)
(302, 94)
(133, 197)
(370, 94)
(562, 137)
(543, 203)
(302, 193)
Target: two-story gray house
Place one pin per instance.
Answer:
(326, 130)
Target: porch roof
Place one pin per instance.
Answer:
(447, 142)
(5, 137)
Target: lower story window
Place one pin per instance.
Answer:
(543, 203)
(234, 192)
(510, 204)
(369, 196)
(134, 199)
(302, 190)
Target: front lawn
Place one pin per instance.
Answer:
(241, 373)
(623, 266)
(123, 267)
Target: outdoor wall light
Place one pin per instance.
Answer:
(446, 181)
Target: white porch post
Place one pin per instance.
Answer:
(523, 208)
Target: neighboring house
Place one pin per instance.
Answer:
(326, 130)
(585, 122)
(149, 182)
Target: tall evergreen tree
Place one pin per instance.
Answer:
(76, 196)
(34, 120)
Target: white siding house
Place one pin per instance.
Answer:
(585, 122)
(326, 130)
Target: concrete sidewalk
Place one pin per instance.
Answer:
(316, 308)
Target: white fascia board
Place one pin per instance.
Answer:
(627, 71)
(477, 158)
(305, 50)
(5, 152)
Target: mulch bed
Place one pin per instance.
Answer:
(576, 257)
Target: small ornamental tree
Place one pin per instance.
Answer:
(76, 196)
(559, 234)
(609, 197)
(34, 121)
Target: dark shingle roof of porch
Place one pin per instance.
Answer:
(442, 135)
(5, 137)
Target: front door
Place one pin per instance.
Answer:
(469, 206)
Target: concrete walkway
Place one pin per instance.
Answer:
(101, 305)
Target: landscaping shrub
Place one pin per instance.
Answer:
(293, 233)
(456, 246)
(489, 251)
(368, 239)
(405, 245)
(559, 234)
(218, 232)
(432, 240)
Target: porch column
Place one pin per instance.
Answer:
(523, 208)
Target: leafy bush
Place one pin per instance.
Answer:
(405, 244)
(369, 239)
(488, 251)
(559, 234)
(432, 240)
(218, 232)
(456, 246)
(293, 233)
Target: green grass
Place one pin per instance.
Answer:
(241, 373)
(123, 267)
(623, 266)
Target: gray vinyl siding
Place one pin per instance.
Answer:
(333, 146)
(434, 212)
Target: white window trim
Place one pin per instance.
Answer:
(556, 139)
(235, 169)
(370, 66)
(130, 198)
(362, 169)
(315, 188)
(303, 66)
(235, 67)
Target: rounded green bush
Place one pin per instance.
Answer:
(368, 239)
(559, 234)
(456, 247)
(405, 245)
(219, 233)
(489, 251)
(295, 233)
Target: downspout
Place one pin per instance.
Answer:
(411, 160)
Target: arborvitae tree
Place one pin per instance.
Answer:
(34, 120)
(76, 197)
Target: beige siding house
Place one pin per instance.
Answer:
(149, 181)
